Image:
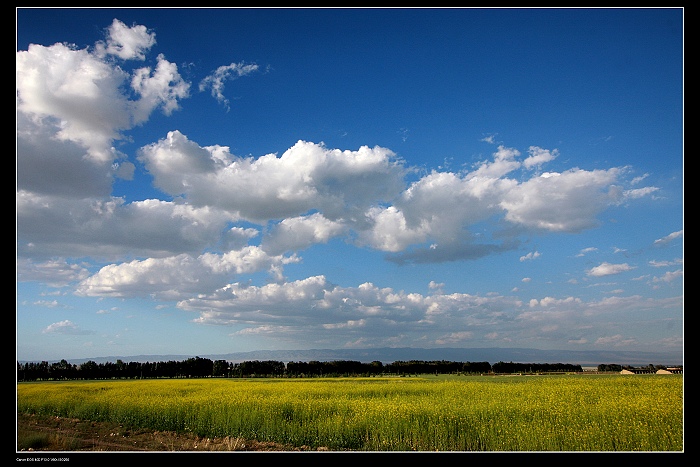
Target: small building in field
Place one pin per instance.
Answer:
(650, 371)
(670, 371)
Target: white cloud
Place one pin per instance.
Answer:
(311, 192)
(216, 80)
(329, 303)
(46, 303)
(225, 221)
(79, 95)
(539, 156)
(55, 272)
(669, 276)
(74, 104)
(177, 277)
(664, 264)
(65, 327)
(455, 338)
(75, 94)
(530, 256)
(668, 238)
(301, 308)
(562, 202)
(296, 233)
(390, 231)
(640, 192)
(306, 177)
(127, 43)
(162, 87)
(108, 229)
(503, 163)
(615, 341)
(237, 237)
(639, 179)
(606, 269)
(550, 302)
(586, 250)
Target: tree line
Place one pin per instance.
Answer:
(197, 367)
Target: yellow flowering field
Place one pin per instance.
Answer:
(458, 413)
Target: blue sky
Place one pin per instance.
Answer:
(205, 181)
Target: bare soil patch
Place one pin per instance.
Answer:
(40, 433)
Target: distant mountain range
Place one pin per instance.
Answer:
(390, 355)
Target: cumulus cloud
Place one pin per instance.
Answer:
(504, 161)
(562, 202)
(301, 308)
(178, 276)
(309, 195)
(311, 303)
(127, 43)
(225, 217)
(79, 94)
(161, 87)
(296, 233)
(50, 226)
(539, 156)
(307, 176)
(73, 105)
(58, 167)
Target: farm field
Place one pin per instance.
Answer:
(427, 413)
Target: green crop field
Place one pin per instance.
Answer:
(459, 413)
